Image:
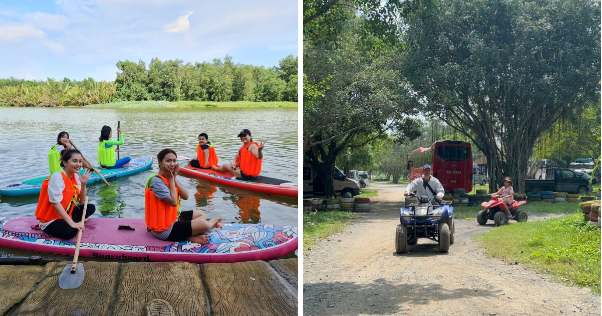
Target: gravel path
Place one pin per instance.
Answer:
(357, 272)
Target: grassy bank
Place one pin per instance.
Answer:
(533, 207)
(367, 193)
(320, 225)
(193, 104)
(564, 247)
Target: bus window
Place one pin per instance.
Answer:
(453, 153)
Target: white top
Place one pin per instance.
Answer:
(421, 190)
(56, 185)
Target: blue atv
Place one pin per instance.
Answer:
(428, 218)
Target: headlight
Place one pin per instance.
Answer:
(421, 211)
(437, 213)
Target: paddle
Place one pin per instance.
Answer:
(118, 127)
(91, 165)
(73, 274)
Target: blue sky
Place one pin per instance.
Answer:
(77, 39)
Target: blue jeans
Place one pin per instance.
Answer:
(119, 163)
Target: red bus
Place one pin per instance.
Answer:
(451, 163)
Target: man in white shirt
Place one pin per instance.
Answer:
(427, 185)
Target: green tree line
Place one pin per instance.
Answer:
(51, 93)
(170, 80)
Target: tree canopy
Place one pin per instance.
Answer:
(503, 72)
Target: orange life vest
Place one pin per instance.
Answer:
(159, 216)
(249, 164)
(45, 212)
(200, 155)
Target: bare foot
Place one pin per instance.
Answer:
(199, 239)
(216, 222)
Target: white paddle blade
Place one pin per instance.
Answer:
(69, 280)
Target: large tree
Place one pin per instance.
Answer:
(503, 71)
(353, 95)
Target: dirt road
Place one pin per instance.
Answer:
(357, 272)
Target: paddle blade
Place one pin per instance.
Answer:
(69, 280)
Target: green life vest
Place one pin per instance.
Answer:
(106, 156)
(54, 160)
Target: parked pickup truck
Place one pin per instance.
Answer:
(564, 180)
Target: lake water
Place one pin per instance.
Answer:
(28, 134)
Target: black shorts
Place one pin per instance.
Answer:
(60, 229)
(246, 177)
(195, 163)
(182, 228)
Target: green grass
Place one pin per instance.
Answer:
(479, 187)
(319, 225)
(193, 104)
(366, 193)
(567, 248)
(532, 207)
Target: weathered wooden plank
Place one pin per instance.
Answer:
(287, 268)
(247, 288)
(145, 286)
(93, 297)
(16, 282)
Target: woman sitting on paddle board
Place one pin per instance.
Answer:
(205, 153)
(247, 164)
(54, 155)
(106, 151)
(162, 202)
(57, 211)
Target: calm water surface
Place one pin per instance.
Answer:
(28, 134)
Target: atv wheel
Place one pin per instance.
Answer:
(444, 238)
(521, 216)
(401, 239)
(500, 218)
(412, 241)
(452, 231)
(481, 219)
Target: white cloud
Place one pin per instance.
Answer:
(56, 47)
(16, 32)
(47, 21)
(181, 24)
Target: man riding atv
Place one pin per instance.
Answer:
(427, 185)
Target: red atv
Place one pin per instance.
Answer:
(493, 211)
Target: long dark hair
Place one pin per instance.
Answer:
(164, 153)
(61, 134)
(66, 154)
(104, 133)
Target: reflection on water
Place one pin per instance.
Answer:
(110, 203)
(249, 209)
(204, 195)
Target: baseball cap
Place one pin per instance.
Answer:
(244, 132)
(427, 166)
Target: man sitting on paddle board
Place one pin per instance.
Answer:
(205, 153)
(247, 164)
(56, 210)
(162, 203)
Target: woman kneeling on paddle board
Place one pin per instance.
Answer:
(205, 153)
(106, 151)
(57, 211)
(247, 164)
(162, 201)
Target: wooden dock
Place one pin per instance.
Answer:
(156, 288)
